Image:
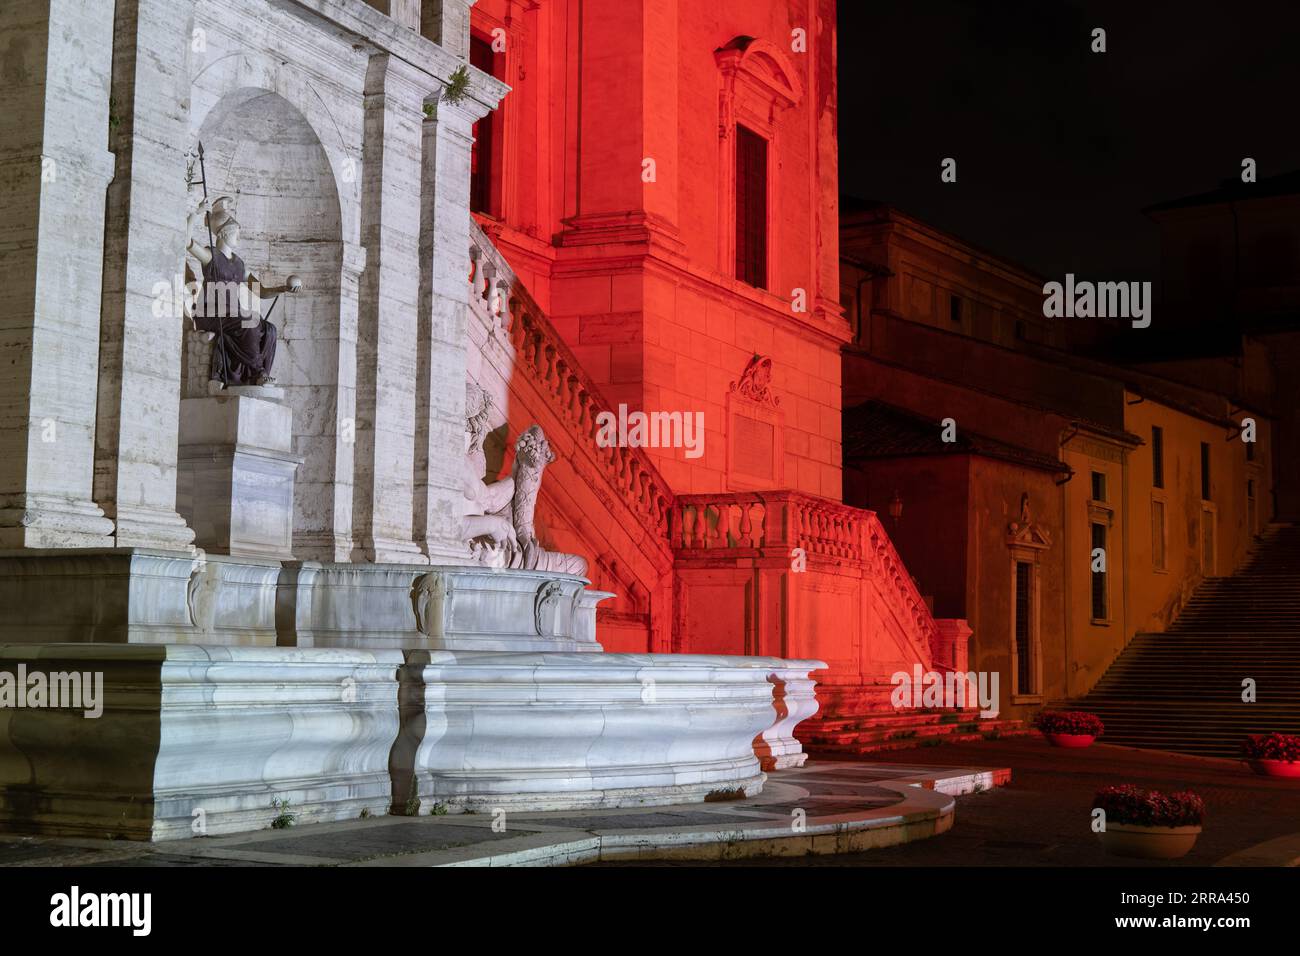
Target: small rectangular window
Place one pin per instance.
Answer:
(1098, 486)
(1205, 471)
(954, 309)
(1158, 535)
(751, 208)
(1157, 457)
(1098, 564)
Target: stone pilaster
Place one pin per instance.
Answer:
(405, 12)
(446, 22)
(383, 498)
(54, 167)
(444, 298)
(140, 349)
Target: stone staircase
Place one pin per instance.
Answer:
(857, 720)
(609, 504)
(1181, 690)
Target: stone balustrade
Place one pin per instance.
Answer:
(766, 524)
(500, 300)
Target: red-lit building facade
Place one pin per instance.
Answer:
(659, 191)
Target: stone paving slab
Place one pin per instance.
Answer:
(827, 807)
(1042, 818)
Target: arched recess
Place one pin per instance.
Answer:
(262, 151)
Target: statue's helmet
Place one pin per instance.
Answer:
(229, 228)
(223, 210)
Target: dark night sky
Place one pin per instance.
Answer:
(1058, 148)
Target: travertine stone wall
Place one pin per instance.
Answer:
(443, 330)
(312, 113)
(278, 106)
(54, 167)
(138, 410)
(446, 22)
(390, 228)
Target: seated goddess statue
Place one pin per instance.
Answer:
(243, 349)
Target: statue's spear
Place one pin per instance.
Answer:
(203, 173)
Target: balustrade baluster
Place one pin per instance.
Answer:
(584, 411)
(503, 303)
(575, 399)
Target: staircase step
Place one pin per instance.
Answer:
(1181, 690)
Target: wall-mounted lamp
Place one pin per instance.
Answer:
(896, 507)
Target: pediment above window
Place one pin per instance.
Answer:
(763, 69)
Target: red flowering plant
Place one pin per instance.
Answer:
(1150, 808)
(1074, 722)
(1272, 747)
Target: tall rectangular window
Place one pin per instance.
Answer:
(1157, 457)
(1205, 471)
(1024, 631)
(1098, 565)
(482, 55)
(1158, 534)
(954, 309)
(1207, 542)
(1250, 505)
(751, 208)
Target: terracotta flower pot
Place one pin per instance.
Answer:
(1071, 740)
(1148, 843)
(1277, 768)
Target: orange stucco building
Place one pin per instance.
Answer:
(1051, 457)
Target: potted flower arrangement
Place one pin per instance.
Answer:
(1148, 823)
(1274, 755)
(1069, 728)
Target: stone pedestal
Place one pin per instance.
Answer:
(439, 607)
(237, 472)
(136, 596)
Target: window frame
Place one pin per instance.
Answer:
(740, 272)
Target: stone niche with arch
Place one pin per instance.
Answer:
(282, 135)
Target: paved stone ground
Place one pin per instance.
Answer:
(1041, 818)
(842, 806)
